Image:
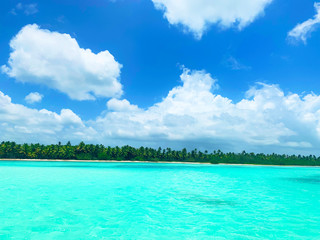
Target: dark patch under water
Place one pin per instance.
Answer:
(210, 201)
(315, 179)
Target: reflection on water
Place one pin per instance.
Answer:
(156, 166)
(98, 165)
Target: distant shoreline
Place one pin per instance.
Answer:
(132, 161)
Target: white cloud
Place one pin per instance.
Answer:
(27, 9)
(24, 124)
(302, 30)
(191, 115)
(121, 105)
(265, 119)
(33, 97)
(196, 16)
(56, 60)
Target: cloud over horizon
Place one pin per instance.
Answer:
(197, 16)
(23, 124)
(192, 112)
(57, 61)
(265, 120)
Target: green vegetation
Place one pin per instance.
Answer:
(84, 151)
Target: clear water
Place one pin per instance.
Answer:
(64, 200)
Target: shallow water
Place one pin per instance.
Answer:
(70, 200)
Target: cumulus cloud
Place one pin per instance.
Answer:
(192, 115)
(197, 16)
(121, 105)
(33, 97)
(303, 30)
(23, 124)
(53, 59)
(265, 119)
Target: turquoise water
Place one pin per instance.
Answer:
(68, 200)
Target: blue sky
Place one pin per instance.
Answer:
(253, 55)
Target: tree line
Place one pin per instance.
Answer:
(82, 151)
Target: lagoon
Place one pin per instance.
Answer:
(81, 200)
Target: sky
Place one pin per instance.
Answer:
(207, 74)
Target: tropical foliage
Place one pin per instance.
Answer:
(82, 151)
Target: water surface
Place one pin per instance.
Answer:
(74, 200)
